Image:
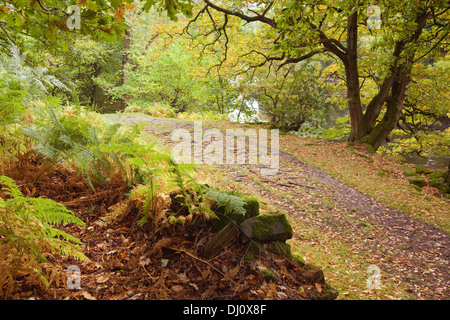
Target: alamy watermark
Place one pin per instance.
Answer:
(189, 149)
(74, 279)
(374, 19)
(374, 278)
(74, 20)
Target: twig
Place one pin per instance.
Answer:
(148, 273)
(197, 258)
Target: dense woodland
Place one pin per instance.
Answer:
(347, 82)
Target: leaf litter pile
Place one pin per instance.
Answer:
(127, 261)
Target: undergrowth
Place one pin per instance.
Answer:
(27, 233)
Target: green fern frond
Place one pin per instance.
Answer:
(231, 203)
(27, 228)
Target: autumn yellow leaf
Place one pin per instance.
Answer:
(119, 14)
(129, 6)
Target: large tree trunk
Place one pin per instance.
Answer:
(366, 127)
(352, 80)
(394, 109)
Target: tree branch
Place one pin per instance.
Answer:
(260, 18)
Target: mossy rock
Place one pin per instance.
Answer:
(420, 169)
(417, 181)
(251, 207)
(299, 259)
(437, 182)
(279, 247)
(397, 158)
(267, 227)
(328, 294)
(436, 174)
(255, 247)
(409, 172)
(312, 274)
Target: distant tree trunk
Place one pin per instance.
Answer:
(447, 175)
(125, 59)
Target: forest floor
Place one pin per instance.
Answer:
(353, 213)
(350, 209)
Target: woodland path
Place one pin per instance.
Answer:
(341, 229)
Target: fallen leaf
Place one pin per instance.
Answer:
(194, 286)
(318, 287)
(136, 296)
(102, 278)
(177, 288)
(87, 295)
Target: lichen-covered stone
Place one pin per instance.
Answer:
(267, 228)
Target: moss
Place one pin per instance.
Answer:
(269, 275)
(370, 148)
(420, 169)
(396, 158)
(255, 247)
(409, 173)
(281, 248)
(267, 228)
(249, 256)
(251, 207)
(437, 182)
(417, 181)
(330, 293)
(436, 174)
(299, 259)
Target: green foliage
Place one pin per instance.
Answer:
(96, 149)
(162, 75)
(27, 230)
(231, 203)
(153, 109)
(92, 68)
(12, 106)
(292, 97)
(19, 76)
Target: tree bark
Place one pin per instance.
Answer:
(392, 91)
(352, 80)
(394, 108)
